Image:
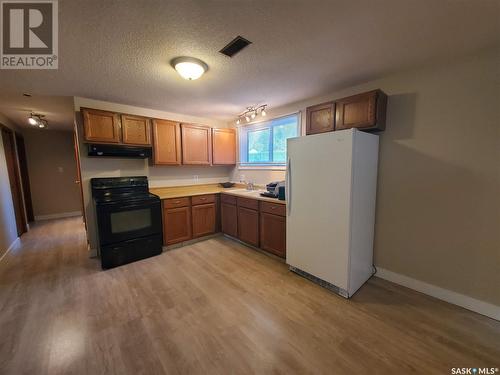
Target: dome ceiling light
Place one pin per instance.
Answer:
(251, 112)
(189, 68)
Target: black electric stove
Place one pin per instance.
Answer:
(129, 220)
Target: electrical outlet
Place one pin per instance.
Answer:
(242, 178)
(195, 178)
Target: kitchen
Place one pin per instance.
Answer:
(275, 207)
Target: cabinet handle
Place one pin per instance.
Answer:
(177, 202)
(202, 199)
(272, 207)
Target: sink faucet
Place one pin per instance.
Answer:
(250, 185)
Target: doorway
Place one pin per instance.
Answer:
(9, 144)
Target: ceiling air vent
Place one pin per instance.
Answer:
(235, 46)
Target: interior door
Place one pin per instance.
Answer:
(14, 179)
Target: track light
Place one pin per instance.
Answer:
(251, 112)
(38, 120)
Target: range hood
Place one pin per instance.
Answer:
(119, 151)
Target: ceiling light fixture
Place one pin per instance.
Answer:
(251, 112)
(189, 68)
(38, 120)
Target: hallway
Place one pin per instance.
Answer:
(215, 307)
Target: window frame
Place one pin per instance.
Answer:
(243, 141)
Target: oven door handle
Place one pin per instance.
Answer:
(121, 207)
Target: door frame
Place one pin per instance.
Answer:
(25, 179)
(12, 160)
(78, 180)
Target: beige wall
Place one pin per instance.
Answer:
(157, 175)
(438, 202)
(52, 172)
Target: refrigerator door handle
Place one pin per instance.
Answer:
(288, 190)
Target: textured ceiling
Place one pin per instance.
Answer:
(119, 51)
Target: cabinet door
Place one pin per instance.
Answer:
(196, 144)
(136, 130)
(248, 226)
(223, 146)
(363, 111)
(203, 219)
(320, 118)
(229, 219)
(167, 142)
(176, 225)
(101, 126)
(273, 233)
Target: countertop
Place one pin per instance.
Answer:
(193, 190)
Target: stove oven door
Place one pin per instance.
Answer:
(123, 221)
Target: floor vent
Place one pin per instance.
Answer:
(235, 46)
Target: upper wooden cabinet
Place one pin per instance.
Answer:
(167, 142)
(320, 118)
(101, 126)
(196, 144)
(223, 146)
(136, 130)
(363, 111)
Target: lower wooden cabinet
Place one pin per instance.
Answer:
(203, 218)
(229, 218)
(273, 233)
(176, 225)
(248, 226)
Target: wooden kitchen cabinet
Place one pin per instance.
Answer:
(320, 118)
(273, 233)
(166, 142)
(203, 216)
(229, 218)
(248, 226)
(363, 111)
(136, 130)
(101, 126)
(196, 144)
(176, 224)
(223, 146)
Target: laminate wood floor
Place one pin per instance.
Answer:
(216, 307)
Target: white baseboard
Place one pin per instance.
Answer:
(10, 248)
(58, 216)
(469, 303)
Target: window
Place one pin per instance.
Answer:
(264, 143)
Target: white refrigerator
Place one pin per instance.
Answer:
(331, 183)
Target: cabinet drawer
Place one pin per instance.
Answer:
(202, 199)
(176, 202)
(252, 204)
(273, 208)
(229, 199)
